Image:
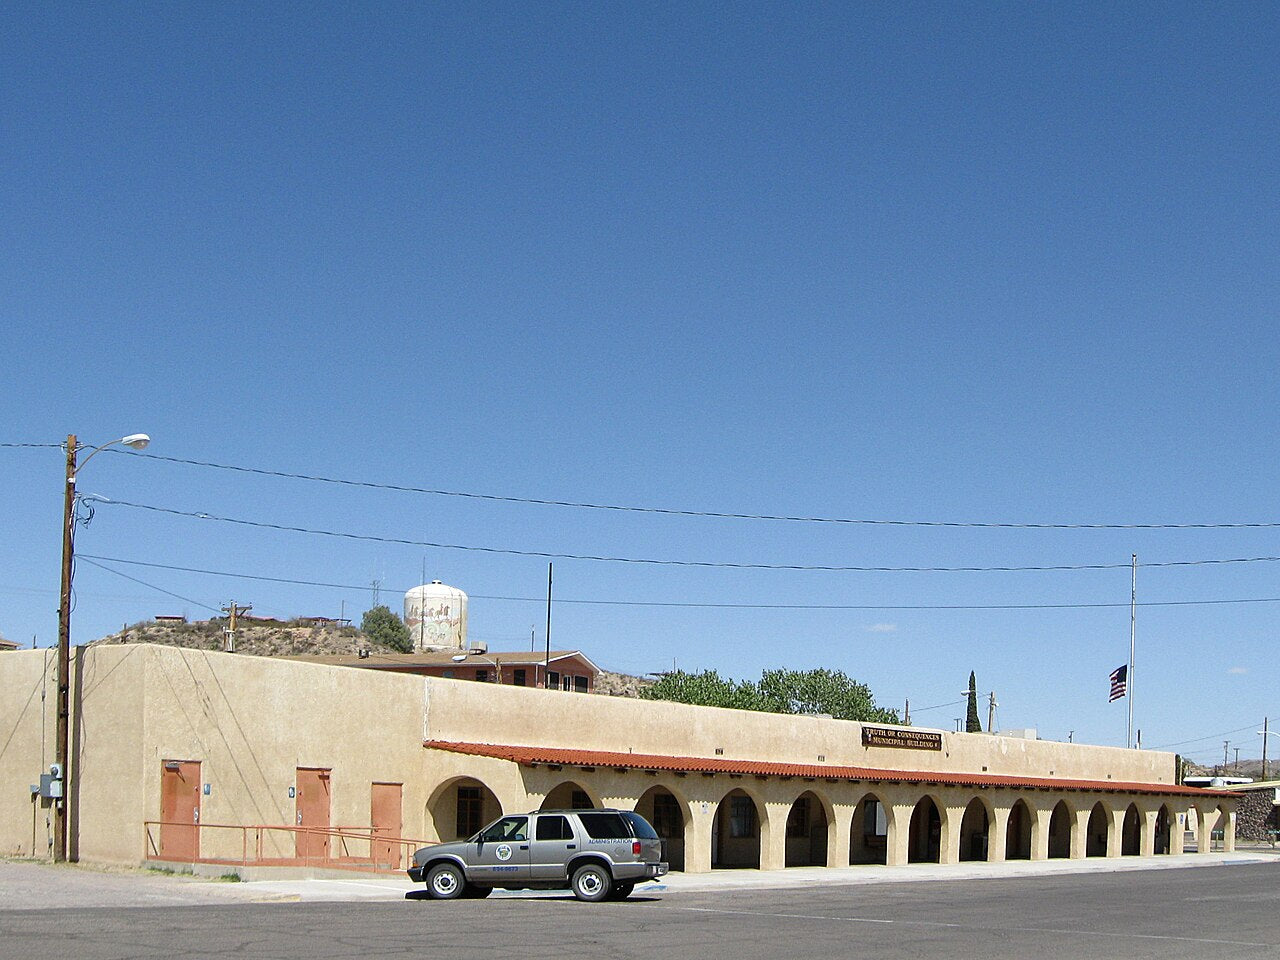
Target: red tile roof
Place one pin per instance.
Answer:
(532, 756)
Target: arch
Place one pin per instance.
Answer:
(924, 840)
(869, 831)
(1060, 831)
(1095, 841)
(1018, 833)
(975, 828)
(808, 826)
(1131, 832)
(569, 795)
(459, 807)
(1164, 822)
(736, 835)
(669, 815)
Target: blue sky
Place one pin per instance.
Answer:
(929, 262)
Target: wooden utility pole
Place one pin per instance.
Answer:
(1265, 734)
(546, 661)
(229, 634)
(64, 652)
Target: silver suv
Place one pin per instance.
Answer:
(598, 854)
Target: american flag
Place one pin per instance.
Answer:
(1119, 682)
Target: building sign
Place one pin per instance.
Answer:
(906, 739)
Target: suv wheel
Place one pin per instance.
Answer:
(445, 882)
(592, 883)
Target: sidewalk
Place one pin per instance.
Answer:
(26, 885)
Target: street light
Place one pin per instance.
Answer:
(136, 441)
(1264, 733)
(497, 667)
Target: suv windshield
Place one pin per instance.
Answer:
(639, 826)
(605, 826)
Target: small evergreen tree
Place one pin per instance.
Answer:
(383, 627)
(972, 724)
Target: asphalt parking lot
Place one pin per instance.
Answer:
(1225, 909)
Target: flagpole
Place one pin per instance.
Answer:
(1133, 634)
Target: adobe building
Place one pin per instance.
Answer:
(187, 756)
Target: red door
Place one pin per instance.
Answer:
(180, 810)
(384, 817)
(313, 813)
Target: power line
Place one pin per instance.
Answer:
(1212, 736)
(672, 511)
(144, 583)
(550, 555)
(689, 604)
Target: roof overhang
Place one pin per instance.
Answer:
(562, 756)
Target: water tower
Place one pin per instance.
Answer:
(436, 615)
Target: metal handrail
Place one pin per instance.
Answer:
(362, 834)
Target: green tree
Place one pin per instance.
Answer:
(707, 689)
(779, 691)
(383, 627)
(971, 723)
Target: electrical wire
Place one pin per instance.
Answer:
(152, 586)
(704, 605)
(672, 511)
(719, 564)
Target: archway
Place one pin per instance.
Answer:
(735, 841)
(1018, 833)
(1095, 843)
(569, 796)
(1060, 831)
(669, 817)
(974, 828)
(459, 808)
(869, 832)
(1131, 834)
(807, 829)
(924, 843)
(1164, 823)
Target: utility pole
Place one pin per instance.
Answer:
(1237, 761)
(229, 633)
(1265, 734)
(546, 663)
(906, 713)
(1226, 748)
(991, 713)
(64, 650)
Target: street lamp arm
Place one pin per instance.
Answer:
(135, 441)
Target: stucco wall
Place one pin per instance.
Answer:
(511, 715)
(252, 721)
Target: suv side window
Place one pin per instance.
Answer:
(554, 828)
(508, 828)
(605, 826)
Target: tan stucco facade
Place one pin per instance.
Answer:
(252, 723)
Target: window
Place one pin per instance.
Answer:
(554, 828)
(666, 815)
(566, 682)
(508, 828)
(639, 826)
(470, 811)
(605, 826)
(518, 677)
(742, 817)
(553, 680)
(798, 820)
(579, 684)
(482, 676)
